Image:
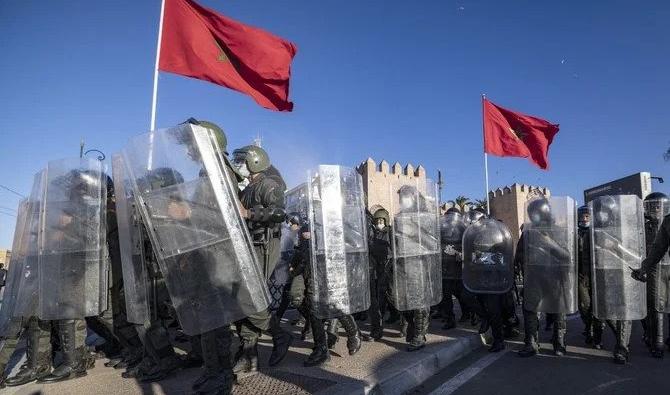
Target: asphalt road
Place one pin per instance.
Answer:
(583, 370)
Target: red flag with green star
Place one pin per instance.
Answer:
(510, 133)
(200, 43)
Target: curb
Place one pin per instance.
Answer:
(400, 381)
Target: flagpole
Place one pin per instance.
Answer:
(158, 56)
(154, 95)
(486, 161)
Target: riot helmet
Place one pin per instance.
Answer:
(381, 218)
(219, 134)
(407, 197)
(473, 216)
(539, 212)
(453, 210)
(583, 217)
(605, 209)
(159, 178)
(249, 160)
(656, 204)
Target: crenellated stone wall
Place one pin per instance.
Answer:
(381, 181)
(508, 204)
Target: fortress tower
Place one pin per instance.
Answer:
(508, 204)
(380, 180)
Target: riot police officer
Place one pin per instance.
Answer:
(657, 271)
(617, 247)
(417, 267)
(452, 228)
(263, 200)
(547, 252)
(593, 327)
(380, 255)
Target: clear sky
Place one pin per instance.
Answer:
(394, 80)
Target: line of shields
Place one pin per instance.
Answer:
(174, 194)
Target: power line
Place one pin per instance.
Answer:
(8, 208)
(11, 215)
(11, 190)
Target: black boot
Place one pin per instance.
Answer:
(497, 346)
(559, 337)
(75, 359)
(450, 322)
(353, 338)
(318, 356)
(37, 365)
(246, 358)
(281, 341)
(331, 331)
(598, 328)
(657, 346)
(419, 329)
(621, 355)
(377, 333)
(218, 377)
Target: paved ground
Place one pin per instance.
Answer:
(385, 361)
(582, 371)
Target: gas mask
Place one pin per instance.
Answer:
(242, 169)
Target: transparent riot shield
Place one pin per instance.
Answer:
(190, 208)
(14, 271)
(655, 212)
(27, 296)
(296, 200)
(452, 228)
(618, 245)
(488, 257)
(550, 255)
(416, 282)
(131, 246)
(72, 240)
(339, 251)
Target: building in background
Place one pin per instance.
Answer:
(380, 182)
(508, 204)
(637, 184)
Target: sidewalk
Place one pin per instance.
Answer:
(379, 368)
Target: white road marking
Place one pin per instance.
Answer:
(466, 375)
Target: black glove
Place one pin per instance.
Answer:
(639, 275)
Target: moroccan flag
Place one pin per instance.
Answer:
(197, 42)
(509, 133)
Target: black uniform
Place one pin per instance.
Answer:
(655, 252)
(380, 254)
(531, 319)
(263, 196)
(593, 327)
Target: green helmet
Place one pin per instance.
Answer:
(218, 132)
(381, 213)
(255, 157)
